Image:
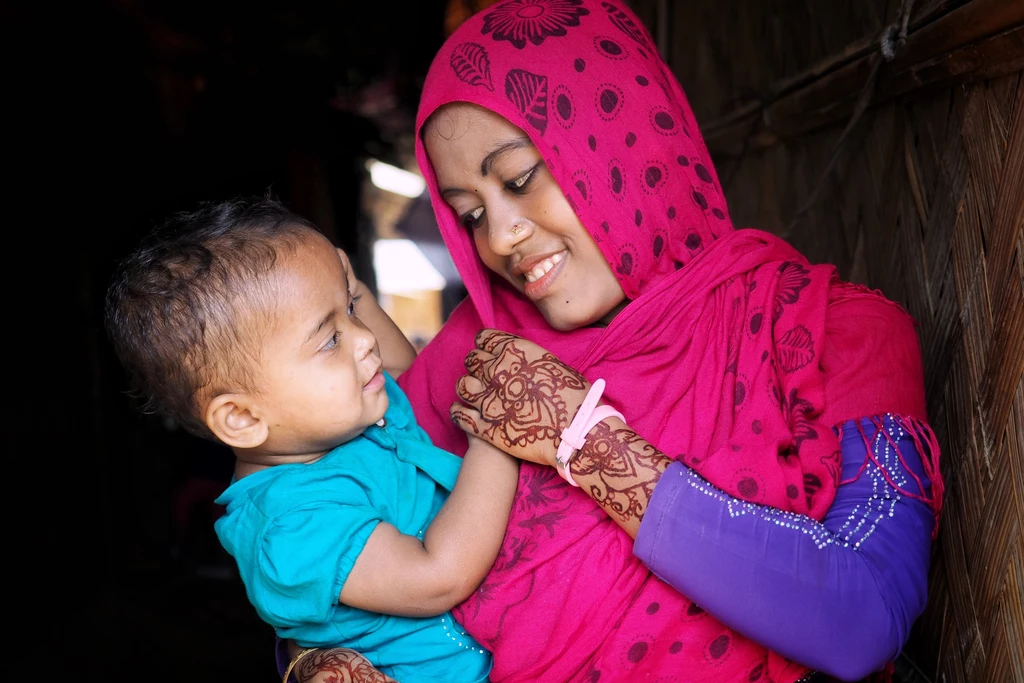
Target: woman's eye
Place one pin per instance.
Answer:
(332, 342)
(522, 181)
(472, 218)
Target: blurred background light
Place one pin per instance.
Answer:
(401, 268)
(394, 179)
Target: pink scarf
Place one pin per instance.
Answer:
(720, 359)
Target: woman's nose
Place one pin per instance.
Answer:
(503, 236)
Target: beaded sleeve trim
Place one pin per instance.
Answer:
(891, 480)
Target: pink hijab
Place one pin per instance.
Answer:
(720, 359)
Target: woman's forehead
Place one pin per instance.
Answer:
(469, 134)
(455, 119)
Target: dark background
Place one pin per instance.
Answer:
(118, 112)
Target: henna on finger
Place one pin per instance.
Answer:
(471, 397)
(464, 421)
(476, 360)
(490, 340)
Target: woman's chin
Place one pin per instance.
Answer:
(564, 320)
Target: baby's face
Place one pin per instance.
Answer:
(322, 382)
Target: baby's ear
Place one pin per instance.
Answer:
(236, 421)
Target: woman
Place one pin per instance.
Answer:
(776, 468)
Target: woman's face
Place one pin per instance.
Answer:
(496, 181)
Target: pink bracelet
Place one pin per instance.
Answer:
(574, 437)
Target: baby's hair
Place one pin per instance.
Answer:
(179, 308)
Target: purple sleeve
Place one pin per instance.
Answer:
(839, 596)
(282, 658)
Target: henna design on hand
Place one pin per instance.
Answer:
(338, 665)
(465, 422)
(625, 468)
(491, 340)
(521, 402)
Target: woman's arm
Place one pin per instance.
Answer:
(840, 595)
(399, 574)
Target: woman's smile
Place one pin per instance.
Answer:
(543, 268)
(541, 274)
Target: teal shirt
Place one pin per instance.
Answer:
(295, 532)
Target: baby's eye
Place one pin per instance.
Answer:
(472, 218)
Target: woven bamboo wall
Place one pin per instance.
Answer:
(925, 201)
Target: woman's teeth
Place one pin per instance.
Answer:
(542, 268)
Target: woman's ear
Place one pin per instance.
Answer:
(235, 420)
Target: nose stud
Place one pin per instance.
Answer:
(517, 228)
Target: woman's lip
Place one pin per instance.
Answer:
(528, 264)
(538, 289)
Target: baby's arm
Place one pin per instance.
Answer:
(399, 574)
(395, 349)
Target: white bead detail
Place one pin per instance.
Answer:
(455, 637)
(862, 520)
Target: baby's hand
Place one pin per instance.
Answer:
(395, 349)
(363, 301)
(517, 396)
(355, 286)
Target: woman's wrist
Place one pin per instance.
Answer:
(574, 437)
(612, 424)
(619, 470)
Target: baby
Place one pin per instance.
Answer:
(244, 324)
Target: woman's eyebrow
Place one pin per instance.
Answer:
(501, 150)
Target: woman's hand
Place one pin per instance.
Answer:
(335, 665)
(517, 396)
